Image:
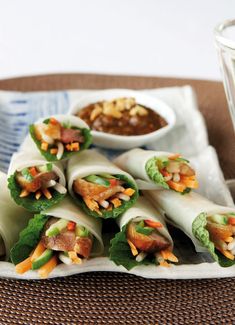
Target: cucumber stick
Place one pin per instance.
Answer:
(56, 228)
(98, 180)
(43, 259)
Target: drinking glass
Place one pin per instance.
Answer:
(225, 44)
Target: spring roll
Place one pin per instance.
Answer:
(61, 234)
(98, 186)
(158, 169)
(60, 137)
(12, 220)
(34, 183)
(143, 238)
(211, 227)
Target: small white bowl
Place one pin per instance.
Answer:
(114, 141)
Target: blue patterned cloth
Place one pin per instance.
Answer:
(19, 110)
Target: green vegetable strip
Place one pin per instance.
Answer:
(28, 239)
(30, 203)
(154, 173)
(202, 234)
(115, 212)
(67, 154)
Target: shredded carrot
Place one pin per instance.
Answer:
(24, 193)
(75, 259)
(44, 146)
(129, 191)
(47, 193)
(24, 266)
(40, 248)
(164, 264)
(68, 147)
(228, 239)
(174, 156)
(153, 224)
(116, 202)
(38, 195)
(75, 146)
(168, 255)
(33, 171)
(227, 254)
(134, 250)
(187, 178)
(53, 121)
(47, 268)
(165, 173)
(179, 187)
(53, 151)
(189, 183)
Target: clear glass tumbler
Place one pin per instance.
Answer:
(225, 44)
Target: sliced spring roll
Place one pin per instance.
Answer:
(98, 186)
(158, 169)
(61, 234)
(12, 220)
(34, 183)
(143, 238)
(211, 227)
(60, 136)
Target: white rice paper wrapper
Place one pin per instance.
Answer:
(144, 209)
(68, 210)
(29, 145)
(181, 210)
(134, 162)
(23, 160)
(90, 162)
(12, 219)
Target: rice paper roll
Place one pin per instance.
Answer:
(211, 227)
(143, 237)
(34, 183)
(12, 219)
(59, 137)
(158, 169)
(98, 186)
(63, 233)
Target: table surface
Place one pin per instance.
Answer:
(112, 298)
(123, 36)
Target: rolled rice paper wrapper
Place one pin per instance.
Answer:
(134, 162)
(181, 210)
(12, 219)
(68, 210)
(145, 210)
(23, 160)
(29, 144)
(90, 162)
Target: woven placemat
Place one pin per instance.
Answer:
(112, 298)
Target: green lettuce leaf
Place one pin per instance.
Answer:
(120, 252)
(154, 174)
(67, 154)
(202, 234)
(29, 202)
(28, 239)
(116, 211)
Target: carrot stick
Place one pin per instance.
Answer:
(129, 191)
(24, 266)
(47, 268)
(168, 255)
(47, 193)
(190, 184)
(153, 224)
(40, 248)
(24, 193)
(133, 248)
(179, 187)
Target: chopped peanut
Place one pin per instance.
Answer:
(96, 112)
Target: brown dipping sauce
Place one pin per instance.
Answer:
(122, 116)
